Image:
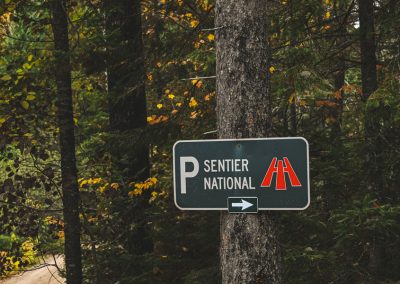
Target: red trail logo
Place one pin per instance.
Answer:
(280, 171)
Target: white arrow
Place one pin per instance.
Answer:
(244, 204)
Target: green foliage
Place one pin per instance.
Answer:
(311, 42)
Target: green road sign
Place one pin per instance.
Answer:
(242, 204)
(273, 170)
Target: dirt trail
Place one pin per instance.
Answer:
(43, 275)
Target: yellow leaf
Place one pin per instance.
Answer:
(2, 120)
(171, 96)
(30, 56)
(178, 104)
(180, 2)
(197, 83)
(327, 14)
(149, 119)
(115, 185)
(159, 106)
(24, 104)
(6, 78)
(153, 180)
(5, 18)
(193, 102)
(167, 91)
(193, 114)
(153, 196)
(30, 97)
(150, 77)
(291, 99)
(211, 37)
(271, 69)
(194, 23)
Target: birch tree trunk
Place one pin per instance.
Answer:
(249, 249)
(69, 175)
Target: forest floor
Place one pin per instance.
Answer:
(42, 275)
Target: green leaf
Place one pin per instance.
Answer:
(30, 97)
(26, 66)
(24, 104)
(6, 78)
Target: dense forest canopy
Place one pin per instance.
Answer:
(93, 95)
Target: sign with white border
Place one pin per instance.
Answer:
(273, 170)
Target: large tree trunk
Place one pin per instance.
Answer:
(249, 249)
(67, 143)
(126, 87)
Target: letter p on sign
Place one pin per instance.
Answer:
(185, 174)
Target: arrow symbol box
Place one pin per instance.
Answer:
(242, 204)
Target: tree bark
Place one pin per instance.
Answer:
(127, 110)
(368, 48)
(249, 250)
(333, 186)
(374, 151)
(369, 85)
(126, 87)
(69, 176)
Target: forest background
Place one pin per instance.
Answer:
(141, 77)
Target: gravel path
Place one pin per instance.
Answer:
(42, 275)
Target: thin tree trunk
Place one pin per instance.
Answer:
(292, 88)
(368, 47)
(334, 186)
(67, 143)
(374, 151)
(293, 117)
(340, 72)
(126, 87)
(249, 250)
(127, 110)
(369, 85)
